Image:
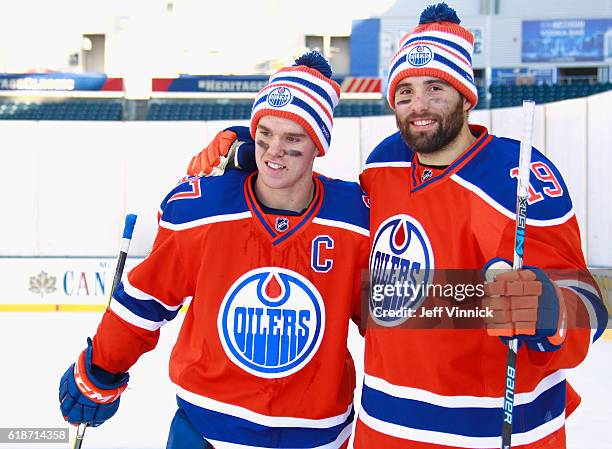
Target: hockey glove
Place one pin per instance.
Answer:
(89, 394)
(527, 305)
(231, 148)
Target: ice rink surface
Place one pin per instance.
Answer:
(38, 347)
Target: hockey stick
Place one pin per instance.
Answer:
(522, 193)
(128, 230)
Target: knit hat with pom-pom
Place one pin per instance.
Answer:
(437, 47)
(303, 93)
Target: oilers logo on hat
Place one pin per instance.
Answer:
(420, 55)
(279, 97)
(271, 322)
(401, 267)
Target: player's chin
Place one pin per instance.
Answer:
(276, 180)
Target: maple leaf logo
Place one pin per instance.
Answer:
(42, 283)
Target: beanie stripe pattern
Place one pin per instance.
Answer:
(303, 95)
(438, 49)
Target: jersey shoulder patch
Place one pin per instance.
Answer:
(492, 174)
(200, 199)
(344, 205)
(391, 152)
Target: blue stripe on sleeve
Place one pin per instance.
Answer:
(148, 309)
(600, 310)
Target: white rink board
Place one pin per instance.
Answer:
(20, 186)
(373, 131)
(157, 155)
(70, 184)
(82, 184)
(54, 281)
(599, 180)
(342, 160)
(508, 122)
(566, 147)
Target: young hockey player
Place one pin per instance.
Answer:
(272, 263)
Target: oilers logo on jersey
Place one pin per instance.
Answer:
(401, 266)
(271, 322)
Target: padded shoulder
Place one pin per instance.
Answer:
(392, 151)
(491, 174)
(345, 202)
(199, 198)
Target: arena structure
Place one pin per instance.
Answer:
(83, 148)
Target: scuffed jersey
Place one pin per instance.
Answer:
(261, 359)
(437, 388)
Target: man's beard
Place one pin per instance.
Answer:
(425, 142)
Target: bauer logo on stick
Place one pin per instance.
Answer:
(271, 322)
(420, 55)
(279, 97)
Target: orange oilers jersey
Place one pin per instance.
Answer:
(441, 388)
(261, 359)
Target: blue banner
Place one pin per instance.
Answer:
(567, 40)
(59, 82)
(521, 75)
(213, 83)
(365, 47)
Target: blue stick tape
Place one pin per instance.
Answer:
(128, 229)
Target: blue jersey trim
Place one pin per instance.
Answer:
(344, 201)
(253, 205)
(305, 218)
(477, 145)
(489, 171)
(391, 149)
(473, 421)
(219, 195)
(227, 428)
(148, 309)
(600, 310)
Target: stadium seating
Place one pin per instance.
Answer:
(62, 110)
(194, 109)
(503, 96)
(241, 110)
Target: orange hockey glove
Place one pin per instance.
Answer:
(527, 305)
(228, 149)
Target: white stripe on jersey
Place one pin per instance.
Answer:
(129, 316)
(454, 440)
(139, 294)
(204, 221)
(462, 401)
(258, 418)
(569, 283)
(398, 164)
(342, 437)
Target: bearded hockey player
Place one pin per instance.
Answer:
(443, 196)
(272, 264)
